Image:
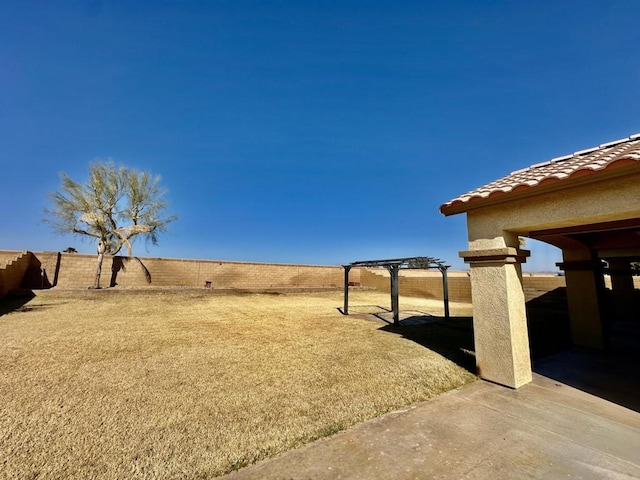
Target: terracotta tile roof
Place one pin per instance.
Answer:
(585, 162)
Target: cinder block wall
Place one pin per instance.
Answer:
(69, 270)
(7, 256)
(46, 269)
(420, 283)
(12, 271)
(536, 285)
(636, 282)
(428, 283)
(195, 273)
(76, 270)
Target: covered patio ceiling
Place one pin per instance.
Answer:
(609, 239)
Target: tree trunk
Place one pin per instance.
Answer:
(101, 250)
(98, 270)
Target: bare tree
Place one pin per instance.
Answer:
(113, 206)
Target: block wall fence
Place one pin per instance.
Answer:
(72, 270)
(428, 284)
(12, 271)
(423, 283)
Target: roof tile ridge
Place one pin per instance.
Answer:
(592, 162)
(578, 153)
(602, 146)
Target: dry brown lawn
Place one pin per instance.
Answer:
(186, 384)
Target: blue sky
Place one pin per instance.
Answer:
(318, 132)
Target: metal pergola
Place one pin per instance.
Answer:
(394, 265)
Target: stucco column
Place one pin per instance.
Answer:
(623, 288)
(499, 315)
(585, 292)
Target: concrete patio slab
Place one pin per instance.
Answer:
(545, 429)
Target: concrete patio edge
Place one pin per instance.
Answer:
(543, 430)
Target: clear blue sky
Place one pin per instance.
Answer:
(297, 131)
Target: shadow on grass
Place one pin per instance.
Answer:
(362, 309)
(547, 321)
(611, 373)
(452, 338)
(13, 302)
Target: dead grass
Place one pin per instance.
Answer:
(168, 384)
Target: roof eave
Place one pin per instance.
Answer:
(476, 202)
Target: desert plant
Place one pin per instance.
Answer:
(114, 206)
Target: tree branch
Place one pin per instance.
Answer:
(84, 232)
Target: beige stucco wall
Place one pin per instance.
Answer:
(500, 325)
(498, 292)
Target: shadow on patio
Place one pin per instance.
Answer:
(612, 374)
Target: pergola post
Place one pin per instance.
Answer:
(585, 296)
(445, 291)
(395, 304)
(347, 268)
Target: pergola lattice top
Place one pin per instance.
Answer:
(418, 263)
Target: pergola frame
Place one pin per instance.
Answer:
(394, 265)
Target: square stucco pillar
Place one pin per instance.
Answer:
(499, 315)
(585, 291)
